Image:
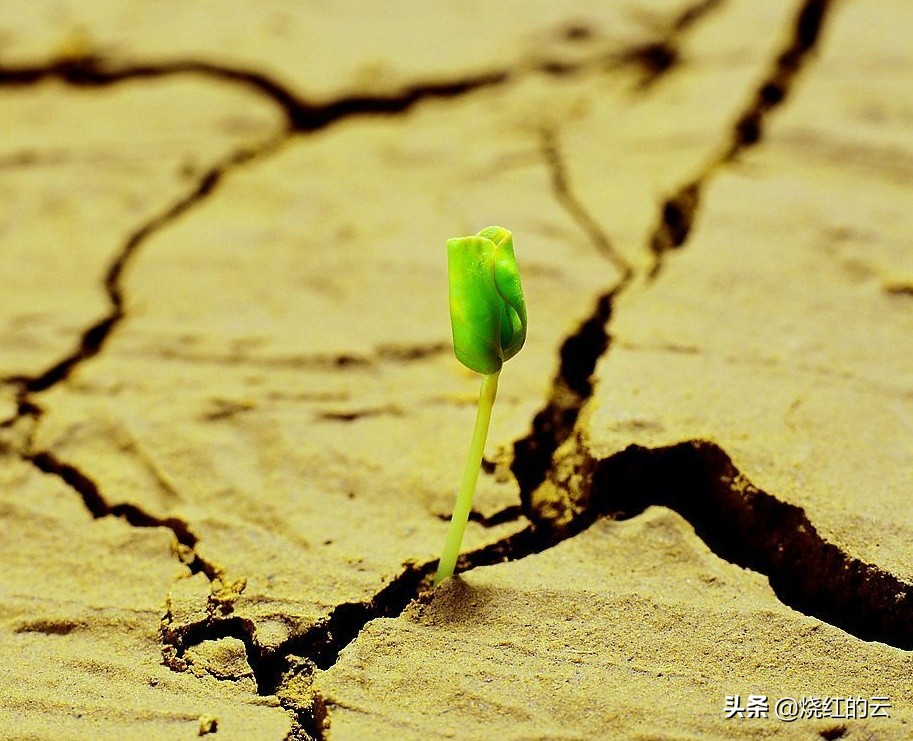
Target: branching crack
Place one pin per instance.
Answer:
(319, 646)
(739, 522)
(302, 116)
(94, 338)
(697, 478)
(579, 353)
(679, 211)
(273, 673)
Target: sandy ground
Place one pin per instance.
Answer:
(231, 423)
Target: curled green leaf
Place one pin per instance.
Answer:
(487, 310)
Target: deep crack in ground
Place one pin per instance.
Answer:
(738, 521)
(753, 529)
(301, 117)
(695, 478)
(578, 354)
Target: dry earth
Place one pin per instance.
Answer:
(231, 424)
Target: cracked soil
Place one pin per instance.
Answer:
(231, 424)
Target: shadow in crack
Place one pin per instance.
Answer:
(755, 530)
(739, 522)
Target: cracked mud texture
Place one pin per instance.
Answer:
(231, 424)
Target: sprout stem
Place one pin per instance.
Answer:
(468, 484)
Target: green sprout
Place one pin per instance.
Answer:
(488, 318)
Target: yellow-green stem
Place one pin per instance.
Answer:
(468, 484)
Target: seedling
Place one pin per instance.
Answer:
(488, 318)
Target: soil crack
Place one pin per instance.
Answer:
(94, 338)
(658, 58)
(572, 385)
(738, 521)
(679, 211)
(295, 661)
(135, 516)
(569, 201)
(302, 116)
(287, 670)
(753, 529)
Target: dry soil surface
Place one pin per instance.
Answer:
(231, 423)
